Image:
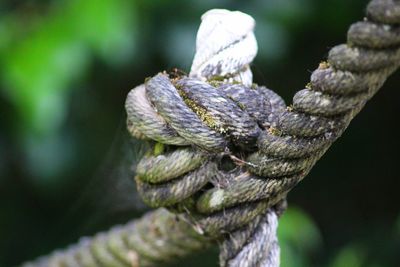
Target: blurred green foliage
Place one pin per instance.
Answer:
(41, 64)
(348, 256)
(44, 54)
(299, 238)
(66, 160)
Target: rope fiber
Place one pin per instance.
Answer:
(226, 151)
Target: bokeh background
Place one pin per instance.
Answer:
(66, 159)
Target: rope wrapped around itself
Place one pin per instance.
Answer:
(227, 151)
(233, 148)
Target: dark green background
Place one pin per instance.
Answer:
(66, 159)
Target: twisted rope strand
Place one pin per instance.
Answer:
(159, 236)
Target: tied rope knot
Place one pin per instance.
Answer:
(211, 123)
(233, 148)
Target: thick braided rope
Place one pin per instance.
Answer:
(158, 237)
(277, 146)
(290, 141)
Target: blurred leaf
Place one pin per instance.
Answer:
(290, 257)
(42, 63)
(37, 74)
(298, 237)
(40, 68)
(349, 256)
(106, 26)
(298, 229)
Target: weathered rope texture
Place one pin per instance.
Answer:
(159, 236)
(226, 151)
(247, 148)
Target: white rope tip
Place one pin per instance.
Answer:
(225, 46)
(234, 22)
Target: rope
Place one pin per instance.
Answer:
(226, 151)
(144, 242)
(247, 149)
